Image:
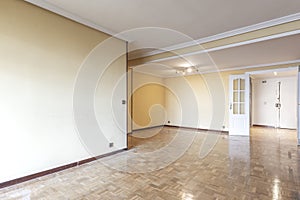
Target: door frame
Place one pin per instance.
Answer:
(247, 95)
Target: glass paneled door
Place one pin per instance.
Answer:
(238, 112)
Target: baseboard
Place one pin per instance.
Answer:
(197, 129)
(264, 126)
(57, 169)
(146, 128)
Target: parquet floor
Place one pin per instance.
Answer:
(181, 164)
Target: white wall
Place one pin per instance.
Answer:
(288, 112)
(41, 55)
(264, 99)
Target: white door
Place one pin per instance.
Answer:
(239, 105)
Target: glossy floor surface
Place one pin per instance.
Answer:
(172, 163)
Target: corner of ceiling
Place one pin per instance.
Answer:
(55, 9)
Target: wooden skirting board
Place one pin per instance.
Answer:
(81, 162)
(54, 170)
(184, 127)
(264, 126)
(198, 129)
(146, 128)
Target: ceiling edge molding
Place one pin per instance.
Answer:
(55, 9)
(254, 66)
(255, 27)
(148, 73)
(292, 68)
(280, 35)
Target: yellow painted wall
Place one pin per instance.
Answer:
(41, 54)
(148, 101)
(144, 98)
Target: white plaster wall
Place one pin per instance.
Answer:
(264, 99)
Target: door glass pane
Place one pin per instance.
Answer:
(242, 84)
(235, 84)
(235, 108)
(235, 96)
(242, 108)
(242, 96)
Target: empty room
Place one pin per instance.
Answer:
(149, 99)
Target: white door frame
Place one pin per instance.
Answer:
(247, 102)
(238, 123)
(247, 95)
(298, 105)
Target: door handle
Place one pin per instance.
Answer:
(230, 107)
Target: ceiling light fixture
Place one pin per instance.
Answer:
(275, 73)
(186, 65)
(185, 71)
(189, 70)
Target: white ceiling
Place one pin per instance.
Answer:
(266, 52)
(176, 21)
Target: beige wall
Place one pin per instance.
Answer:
(198, 98)
(148, 101)
(40, 57)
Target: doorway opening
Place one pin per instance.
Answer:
(283, 108)
(273, 99)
